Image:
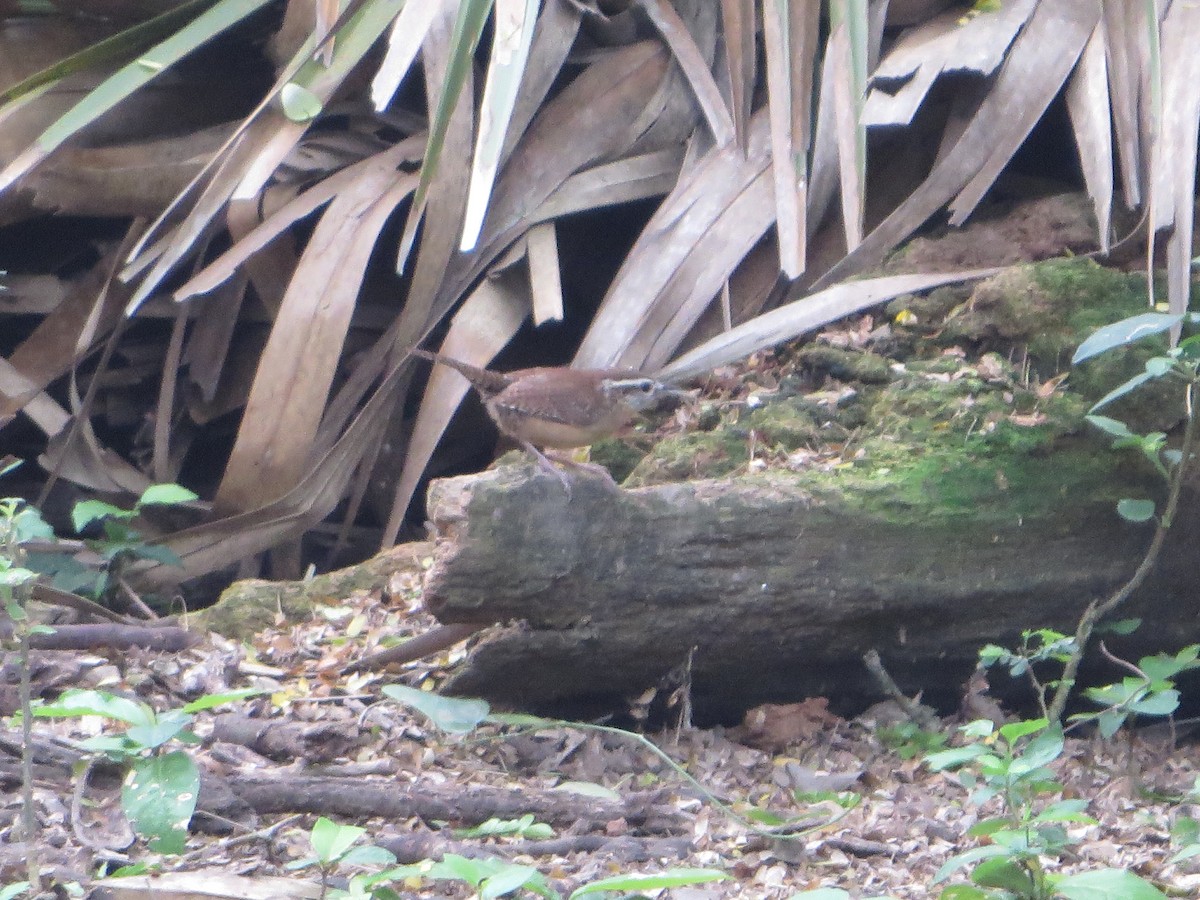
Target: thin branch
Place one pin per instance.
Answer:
(1097, 610)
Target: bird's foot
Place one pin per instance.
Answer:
(557, 464)
(545, 463)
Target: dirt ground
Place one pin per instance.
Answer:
(865, 819)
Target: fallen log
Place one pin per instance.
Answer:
(778, 590)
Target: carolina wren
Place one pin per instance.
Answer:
(560, 408)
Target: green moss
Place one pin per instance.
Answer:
(1045, 309)
(617, 456)
(844, 365)
(702, 454)
(963, 441)
(933, 485)
(788, 423)
(928, 311)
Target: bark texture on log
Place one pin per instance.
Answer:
(780, 592)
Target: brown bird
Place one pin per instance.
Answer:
(558, 407)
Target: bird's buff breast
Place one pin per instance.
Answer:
(556, 435)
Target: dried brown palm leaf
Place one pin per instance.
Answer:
(1127, 33)
(701, 231)
(1091, 120)
(1173, 184)
(695, 66)
(601, 115)
(225, 265)
(254, 152)
(945, 43)
(805, 315)
(545, 279)
(737, 18)
(790, 43)
(215, 545)
(483, 325)
(1037, 65)
(447, 189)
(291, 388)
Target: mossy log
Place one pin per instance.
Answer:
(778, 590)
(922, 492)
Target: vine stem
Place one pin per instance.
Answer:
(1098, 609)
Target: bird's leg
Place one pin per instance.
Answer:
(593, 467)
(544, 462)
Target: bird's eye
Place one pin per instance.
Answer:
(647, 387)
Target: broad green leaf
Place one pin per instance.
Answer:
(159, 797)
(510, 878)
(1114, 694)
(155, 734)
(520, 720)
(1135, 510)
(459, 868)
(16, 889)
(980, 728)
(87, 511)
(96, 703)
(960, 860)
(15, 577)
(330, 840)
(954, 757)
(1118, 334)
(1065, 811)
(1162, 667)
(165, 494)
(1106, 884)
(1121, 626)
(1111, 426)
(452, 714)
(368, 856)
(963, 892)
(1186, 853)
(115, 744)
(213, 21)
(28, 525)
(1160, 703)
(1109, 722)
(1014, 731)
(1005, 874)
(208, 701)
(668, 879)
(1121, 390)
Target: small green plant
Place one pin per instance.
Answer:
(334, 845)
(120, 542)
(1039, 646)
(524, 827)
(490, 877)
(1011, 765)
(461, 715)
(20, 523)
(1180, 364)
(909, 740)
(496, 878)
(1150, 691)
(834, 894)
(161, 786)
(1185, 831)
